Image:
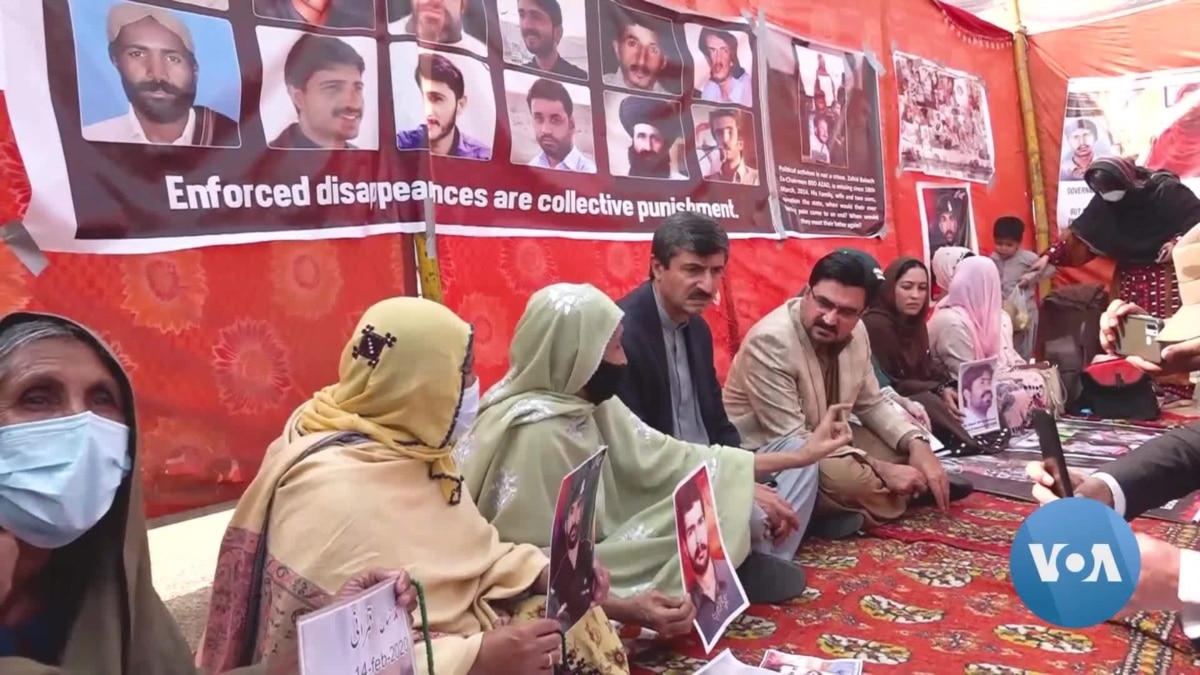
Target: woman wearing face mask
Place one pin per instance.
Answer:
(1134, 219)
(75, 588)
(556, 408)
(363, 474)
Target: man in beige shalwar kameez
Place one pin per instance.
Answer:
(813, 352)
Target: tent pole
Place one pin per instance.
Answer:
(1033, 153)
(427, 257)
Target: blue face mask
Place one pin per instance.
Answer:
(58, 477)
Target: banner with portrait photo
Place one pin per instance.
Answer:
(947, 218)
(829, 172)
(1149, 118)
(153, 125)
(945, 128)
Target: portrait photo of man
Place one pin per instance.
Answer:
(454, 23)
(720, 73)
(323, 13)
(642, 142)
(551, 41)
(724, 138)
(446, 107)
(640, 52)
(709, 580)
(572, 550)
(946, 212)
(1084, 141)
(168, 96)
(977, 396)
(323, 77)
(549, 122)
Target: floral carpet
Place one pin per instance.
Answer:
(931, 594)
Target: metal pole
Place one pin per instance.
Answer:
(427, 260)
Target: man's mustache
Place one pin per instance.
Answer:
(639, 70)
(156, 86)
(347, 111)
(546, 138)
(700, 295)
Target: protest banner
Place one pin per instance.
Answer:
(945, 128)
(367, 634)
(153, 125)
(1149, 118)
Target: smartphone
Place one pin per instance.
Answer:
(1052, 452)
(1138, 336)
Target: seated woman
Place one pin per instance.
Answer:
(900, 346)
(945, 261)
(362, 474)
(970, 324)
(75, 589)
(556, 408)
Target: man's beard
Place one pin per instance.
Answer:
(444, 130)
(159, 111)
(649, 165)
(551, 146)
(573, 536)
(700, 560)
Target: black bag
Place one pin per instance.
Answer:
(1069, 334)
(1118, 390)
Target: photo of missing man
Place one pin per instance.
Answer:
(723, 71)
(977, 396)
(320, 91)
(550, 123)
(323, 13)
(1084, 141)
(155, 76)
(946, 218)
(645, 137)
(457, 112)
(461, 24)
(825, 83)
(639, 50)
(725, 144)
(573, 544)
(708, 577)
(546, 35)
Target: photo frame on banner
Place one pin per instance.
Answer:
(947, 217)
(622, 115)
(945, 123)
(1146, 118)
(830, 171)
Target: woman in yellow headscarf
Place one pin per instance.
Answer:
(362, 475)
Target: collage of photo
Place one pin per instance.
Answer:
(674, 98)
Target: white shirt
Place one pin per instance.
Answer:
(617, 79)
(1189, 567)
(467, 41)
(739, 93)
(574, 161)
(127, 128)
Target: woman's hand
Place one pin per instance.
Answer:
(406, 593)
(601, 584)
(950, 398)
(782, 520)
(833, 433)
(917, 411)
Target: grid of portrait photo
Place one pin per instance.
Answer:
(168, 73)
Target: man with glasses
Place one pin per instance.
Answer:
(813, 352)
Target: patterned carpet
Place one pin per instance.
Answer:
(931, 594)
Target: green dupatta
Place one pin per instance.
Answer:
(532, 430)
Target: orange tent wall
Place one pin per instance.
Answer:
(1140, 42)
(222, 343)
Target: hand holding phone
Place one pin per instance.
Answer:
(1052, 452)
(1137, 335)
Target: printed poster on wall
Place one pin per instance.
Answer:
(947, 218)
(945, 128)
(156, 125)
(830, 170)
(1149, 118)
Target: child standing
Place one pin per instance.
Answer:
(1015, 264)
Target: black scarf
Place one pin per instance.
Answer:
(1133, 230)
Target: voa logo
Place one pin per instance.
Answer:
(1103, 563)
(1075, 562)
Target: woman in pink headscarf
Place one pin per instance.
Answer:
(970, 324)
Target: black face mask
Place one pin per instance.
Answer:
(604, 382)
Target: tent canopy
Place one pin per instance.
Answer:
(1041, 16)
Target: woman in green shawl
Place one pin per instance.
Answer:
(556, 407)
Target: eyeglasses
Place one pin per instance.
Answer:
(827, 306)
